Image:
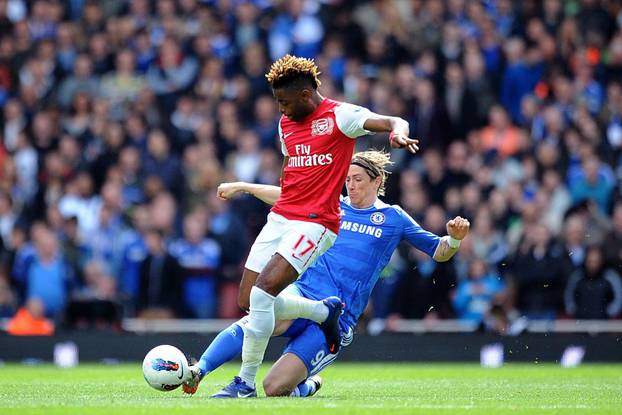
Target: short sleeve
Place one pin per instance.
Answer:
(283, 147)
(421, 239)
(351, 118)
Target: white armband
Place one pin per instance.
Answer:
(454, 243)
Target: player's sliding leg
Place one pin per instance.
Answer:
(294, 374)
(228, 344)
(225, 347)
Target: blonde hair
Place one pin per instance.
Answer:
(290, 68)
(374, 162)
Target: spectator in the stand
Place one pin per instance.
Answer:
(520, 76)
(161, 163)
(594, 291)
(592, 185)
(79, 120)
(75, 251)
(131, 180)
(136, 131)
(488, 243)
(99, 51)
(185, 120)
(81, 201)
(473, 297)
(103, 241)
(460, 103)
(244, 163)
(134, 253)
(199, 257)
(430, 118)
(171, 74)
(48, 277)
(122, 86)
(82, 80)
(500, 135)
(98, 283)
(160, 280)
(574, 240)
(538, 275)
(434, 178)
(14, 122)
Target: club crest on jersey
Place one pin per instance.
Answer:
(323, 126)
(377, 218)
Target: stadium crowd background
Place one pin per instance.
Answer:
(120, 118)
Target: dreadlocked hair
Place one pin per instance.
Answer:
(290, 68)
(374, 162)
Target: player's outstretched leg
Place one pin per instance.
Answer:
(330, 326)
(225, 347)
(308, 387)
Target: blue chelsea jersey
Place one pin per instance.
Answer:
(366, 241)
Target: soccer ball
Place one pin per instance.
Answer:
(165, 368)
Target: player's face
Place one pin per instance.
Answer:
(294, 103)
(362, 189)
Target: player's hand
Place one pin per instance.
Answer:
(399, 140)
(227, 190)
(458, 228)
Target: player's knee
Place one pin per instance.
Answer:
(272, 387)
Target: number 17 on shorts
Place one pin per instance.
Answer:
(304, 242)
(303, 247)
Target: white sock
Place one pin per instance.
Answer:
(257, 333)
(289, 307)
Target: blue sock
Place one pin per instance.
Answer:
(225, 347)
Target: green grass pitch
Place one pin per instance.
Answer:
(348, 389)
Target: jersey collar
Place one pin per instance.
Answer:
(378, 204)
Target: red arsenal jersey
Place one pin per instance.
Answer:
(320, 151)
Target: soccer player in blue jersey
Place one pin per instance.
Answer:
(370, 231)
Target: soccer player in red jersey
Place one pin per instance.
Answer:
(317, 139)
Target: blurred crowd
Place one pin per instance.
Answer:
(118, 119)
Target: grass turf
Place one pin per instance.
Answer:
(348, 389)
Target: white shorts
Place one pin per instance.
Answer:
(299, 242)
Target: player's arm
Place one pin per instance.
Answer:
(264, 192)
(441, 249)
(457, 230)
(355, 121)
(397, 128)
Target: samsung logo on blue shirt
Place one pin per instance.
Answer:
(361, 228)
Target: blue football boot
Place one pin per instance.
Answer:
(236, 389)
(330, 326)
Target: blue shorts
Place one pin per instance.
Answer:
(307, 341)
